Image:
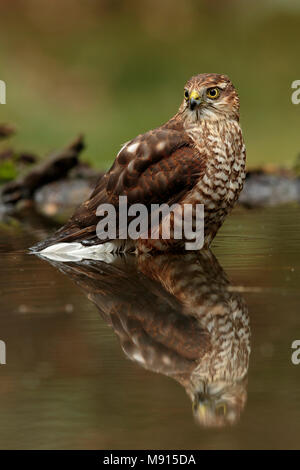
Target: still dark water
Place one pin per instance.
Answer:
(154, 353)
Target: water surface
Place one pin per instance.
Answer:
(101, 356)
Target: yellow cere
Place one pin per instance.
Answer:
(194, 95)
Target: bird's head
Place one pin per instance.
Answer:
(210, 96)
(219, 404)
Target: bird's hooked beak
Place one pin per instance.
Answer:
(201, 408)
(195, 100)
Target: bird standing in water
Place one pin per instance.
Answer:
(197, 157)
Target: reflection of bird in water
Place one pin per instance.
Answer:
(177, 315)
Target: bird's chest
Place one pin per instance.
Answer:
(224, 170)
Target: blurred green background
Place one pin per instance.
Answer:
(113, 69)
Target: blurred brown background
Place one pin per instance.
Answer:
(113, 69)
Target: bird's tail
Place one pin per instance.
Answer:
(80, 228)
(67, 234)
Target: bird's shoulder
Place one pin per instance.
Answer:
(153, 145)
(158, 166)
(148, 151)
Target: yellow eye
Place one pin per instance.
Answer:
(213, 93)
(186, 94)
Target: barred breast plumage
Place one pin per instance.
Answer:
(224, 173)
